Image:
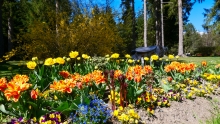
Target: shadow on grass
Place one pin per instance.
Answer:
(11, 68)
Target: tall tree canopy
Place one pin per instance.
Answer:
(57, 26)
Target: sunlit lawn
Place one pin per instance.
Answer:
(198, 60)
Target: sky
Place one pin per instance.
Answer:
(196, 15)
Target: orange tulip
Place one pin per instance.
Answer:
(169, 78)
(34, 94)
(16, 86)
(64, 74)
(3, 84)
(204, 63)
(68, 90)
(12, 91)
(148, 69)
(117, 73)
(79, 85)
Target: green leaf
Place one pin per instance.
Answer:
(86, 100)
(62, 106)
(34, 105)
(15, 104)
(166, 87)
(41, 70)
(38, 76)
(77, 101)
(2, 108)
(211, 71)
(74, 106)
(139, 92)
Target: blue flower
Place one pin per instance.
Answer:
(96, 112)
(83, 109)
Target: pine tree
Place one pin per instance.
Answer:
(128, 24)
(1, 31)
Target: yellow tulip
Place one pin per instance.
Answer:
(130, 61)
(127, 56)
(85, 56)
(31, 64)
(170, 56)
(60, 60)
(73, 54)
(146, 58)
(154, 57)
(49, 61)
(34, 59)
(115, 55)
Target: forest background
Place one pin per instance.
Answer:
(52, 28)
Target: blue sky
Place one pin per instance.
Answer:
(196, 16)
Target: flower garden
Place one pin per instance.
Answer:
(82, 89)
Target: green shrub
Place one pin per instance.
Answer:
(204, 51)
(217, 51)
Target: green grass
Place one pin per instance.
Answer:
(198, 60)
(10, 68)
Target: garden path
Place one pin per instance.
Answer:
(195, 111)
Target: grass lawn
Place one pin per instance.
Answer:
(10, 68)
(198, 60)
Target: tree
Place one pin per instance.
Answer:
(212, 17)
(180, 13)
(145, 23)
(128, 24)
(1, 31)
(180, 48)
(192, 39)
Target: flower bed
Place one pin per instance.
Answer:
(102, 89)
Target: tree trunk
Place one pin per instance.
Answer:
(1, 32)
(162, 30)
(156, 9)
(145, 23)
(57, 27)
(180, 49)
(57, 9)
(133, 26)
(10, 32)
(158, 23)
